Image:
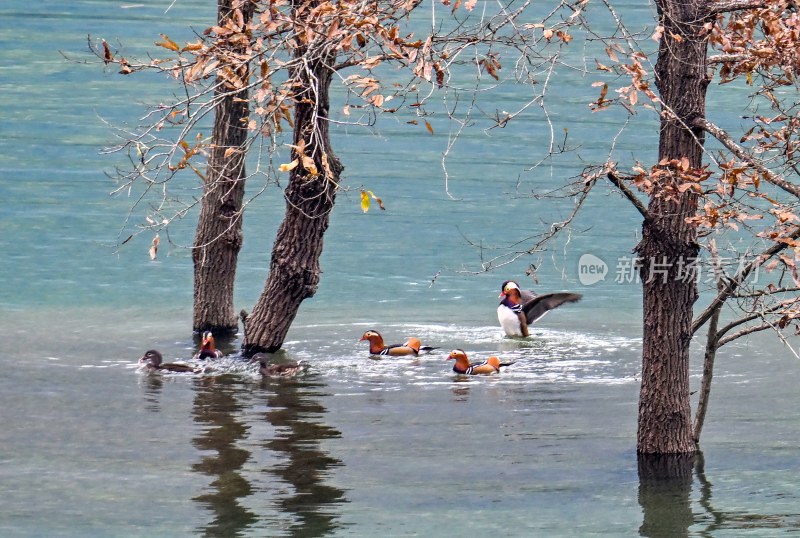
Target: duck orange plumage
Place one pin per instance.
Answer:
(463, 366)
(412, 346)
(153, 361)
(208, 349)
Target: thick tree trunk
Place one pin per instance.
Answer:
(294, 269)
(218, 238)
(668, 241)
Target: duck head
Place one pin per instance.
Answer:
(152, 358)
(458, 355)
(375, 341)
(208, 343)
(510, 290)
(371, 336)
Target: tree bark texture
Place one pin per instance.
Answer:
(294, 271)
(668, 242)
(218, 237)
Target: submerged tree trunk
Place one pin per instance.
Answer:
(218, 238)
(294, 271)
(668, 242)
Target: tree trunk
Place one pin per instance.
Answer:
(294, 271)
(668, 241)
(218, 238)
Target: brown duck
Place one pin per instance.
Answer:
(490, 366)
(208, 348)
(153, 361)
(284, 369)
(412, 346)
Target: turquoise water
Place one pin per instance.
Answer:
(93, 447)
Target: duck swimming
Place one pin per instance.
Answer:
(412, 346)
(208, 349)
(286, 369)
(521, 308)
(490, 366)
(153, 361)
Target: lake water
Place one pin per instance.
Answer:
(93, 447)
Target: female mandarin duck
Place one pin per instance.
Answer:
(285, 369)
(462, 366)
(153, 361)
(522, 308)
(208, 349)
(411, 347)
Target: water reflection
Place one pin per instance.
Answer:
(217, 408)
(153, 384)
(460, 393)
(665, 486)
(714, 520)
(295, 414)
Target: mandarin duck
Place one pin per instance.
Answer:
(462, 366)
(153, 361)
(412, 346)
(521, 308)
(285, 369)
(208, 348)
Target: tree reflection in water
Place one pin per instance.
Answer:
(223, 406)
(665, 495)
(295, 414)
(216, 406)
(665, 486)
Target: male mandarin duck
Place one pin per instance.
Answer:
(462, 366)
(285, 369)
(208, 349)
(153, 361)
(412, 346)
(522, 308)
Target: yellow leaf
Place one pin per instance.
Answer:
(168, 44)
(428, 127)
(308, 164)
(288, 166)
(154, 248)
(365, 196)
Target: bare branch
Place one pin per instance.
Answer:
(732, 284)
(618, 182)
(726, 58)
(740, 152)
(726, 6)
(744, 332)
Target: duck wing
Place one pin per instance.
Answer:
(536, 307)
